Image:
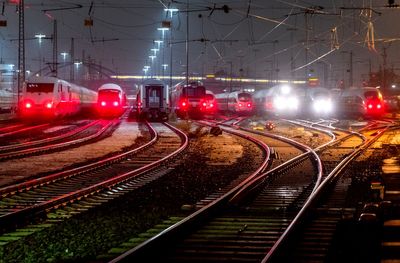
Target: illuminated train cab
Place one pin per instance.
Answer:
(237, 102)
(316, 102)
(189, 100)
(281, 100)
(152, 100)
(365, 101)
(49, 97)
(111, 100)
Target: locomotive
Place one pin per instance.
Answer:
(237, 102)
(111, 100)
(49, 97)
(364, 101)
(189, 100)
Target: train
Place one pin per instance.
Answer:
(152, 101)
(360, 101)
(315, 102)
(279, 100)
(111, 100)
(238, 102)
(8, 101)
(49, 97)
(188, 100)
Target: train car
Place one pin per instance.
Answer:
(152, 100)
(365, 102)
(48, 97)
(111, 100)
(237, 102)
(188, 100)
(8, 101)
(280, 100)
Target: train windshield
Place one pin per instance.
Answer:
(209, 97)
(372, 95)
(244, 97)
(195, 92)
(109, 94)
(40, 87)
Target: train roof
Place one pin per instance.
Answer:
(153, 82)
(109, 86)
(43, 79)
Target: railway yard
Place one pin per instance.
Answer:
(224, 189)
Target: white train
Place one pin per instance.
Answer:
(364, 101)
(54, 97)
(111, 100)
(278, 100)
(152, 100)
(238, 102)
(8, 101)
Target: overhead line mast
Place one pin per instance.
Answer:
(21, 48)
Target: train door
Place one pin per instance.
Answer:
(154, 96)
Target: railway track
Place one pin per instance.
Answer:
(92, 184)
(238, 225)
(313, 235)
(80, 135)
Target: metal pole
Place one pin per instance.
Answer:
(72, 69)
(351, 69)
(55, 55)
(21, 49)
(187, 42)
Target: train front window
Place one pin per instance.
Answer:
(244, 97)
(195, 92)
(371, 95)
(108, 95)
(40, 87)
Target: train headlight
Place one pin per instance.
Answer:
(292, 103)
(323, 106)
(279, 103)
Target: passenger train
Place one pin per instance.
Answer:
(281, 100)
(365, 101)
(152, 100)
(111, 100)
(188, 100)
(237, 102)
(47, 97)
(7, 101)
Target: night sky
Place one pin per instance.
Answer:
(264, 39)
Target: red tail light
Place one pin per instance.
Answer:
(370, 106)
(116, 103)
(240, 105)
(103, 103)
(139, 103)
(204, 104)
(248, 105)
(49, 105)
(378, 106)
(211, 105)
